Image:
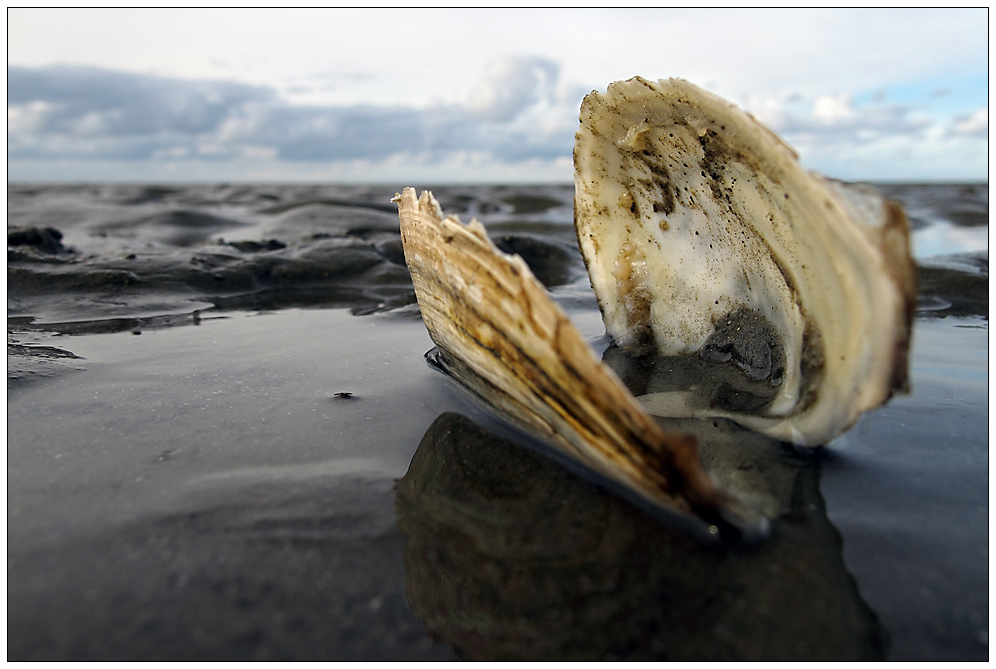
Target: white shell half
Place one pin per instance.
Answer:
(698, 226)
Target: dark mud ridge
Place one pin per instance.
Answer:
(136, 254)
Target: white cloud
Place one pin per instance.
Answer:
(834, 110)
(974, 125)
(26, 118)
(835, 120)
(512, 84)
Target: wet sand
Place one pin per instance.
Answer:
(272, 470)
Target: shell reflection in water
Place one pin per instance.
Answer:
(510, 557)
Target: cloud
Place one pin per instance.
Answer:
(516, 114)
(837, 118)
(972, 126)
(89, 112)
(512, 84)
(325, 133)
(517, 123)
(89, 101)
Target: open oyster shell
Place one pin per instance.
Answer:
(703, 233)
(504, 337)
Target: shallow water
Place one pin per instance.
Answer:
(224, 443)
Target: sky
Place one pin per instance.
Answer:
(472, 96)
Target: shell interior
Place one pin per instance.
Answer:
(704, 235)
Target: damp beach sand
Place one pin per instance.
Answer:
(224, 443)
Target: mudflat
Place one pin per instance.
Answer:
(224, 442)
